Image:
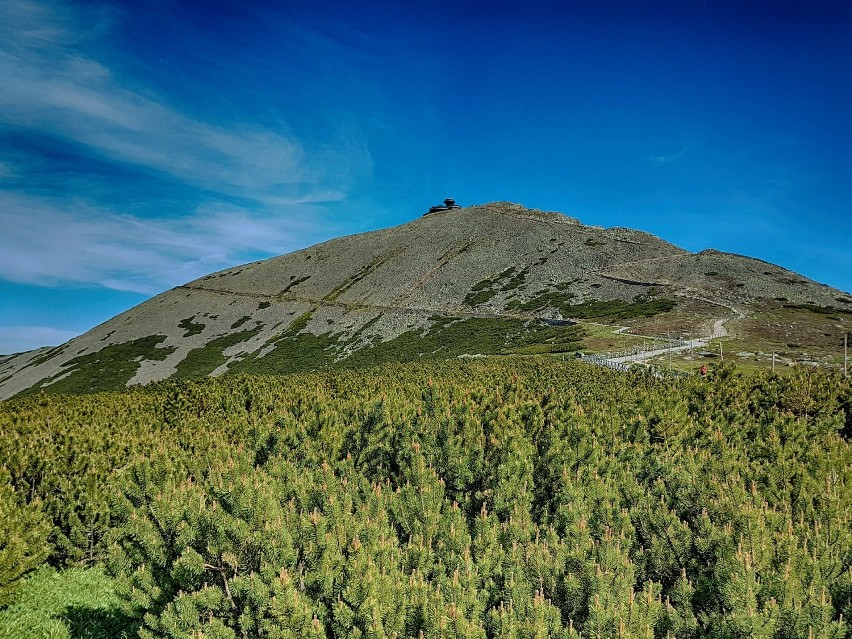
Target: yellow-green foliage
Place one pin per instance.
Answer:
(23, 537)
(511, 498)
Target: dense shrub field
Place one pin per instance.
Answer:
(501, 498)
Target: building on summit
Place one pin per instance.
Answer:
(448, 204)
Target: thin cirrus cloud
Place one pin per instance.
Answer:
(667, 159)
(57, 83)
(51, 86)
(24, 338)
(80, 244)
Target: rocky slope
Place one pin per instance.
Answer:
(494, 266)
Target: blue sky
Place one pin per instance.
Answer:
(145, 144)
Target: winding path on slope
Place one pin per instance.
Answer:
(719, 330)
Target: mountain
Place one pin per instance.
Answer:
(483, 279)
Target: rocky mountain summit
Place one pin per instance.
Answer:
(449, 283)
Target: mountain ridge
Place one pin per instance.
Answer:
(498, 261)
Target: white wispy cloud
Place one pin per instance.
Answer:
(49, 243)
(51, 84)
(254, 188)
(16, 339)
(667, 158)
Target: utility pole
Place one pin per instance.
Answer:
(721, 356)
(773, 362)
(845, 354)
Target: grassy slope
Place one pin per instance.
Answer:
(108, 369)
(297, 350)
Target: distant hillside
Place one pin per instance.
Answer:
(482, 279)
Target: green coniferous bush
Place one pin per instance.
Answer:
(511, 498)
(24, 531)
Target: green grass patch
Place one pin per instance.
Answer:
(561, 300)
(618, 309)
(293, 354)
(554, 299)
(200, 362)
(822, 310)
(108, 369)
(541, 338)
(516, 281)
(41, 359)
(191, 328)
(449, 337)
(293, 282)
(364, 329)
(479, 297)
(564, 286)
(299, 324)
(75, 603)
(294, 351)
(509, 280)
(513, 304)
(357, 277)
(241, 321)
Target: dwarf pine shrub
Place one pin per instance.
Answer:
(514, 498)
